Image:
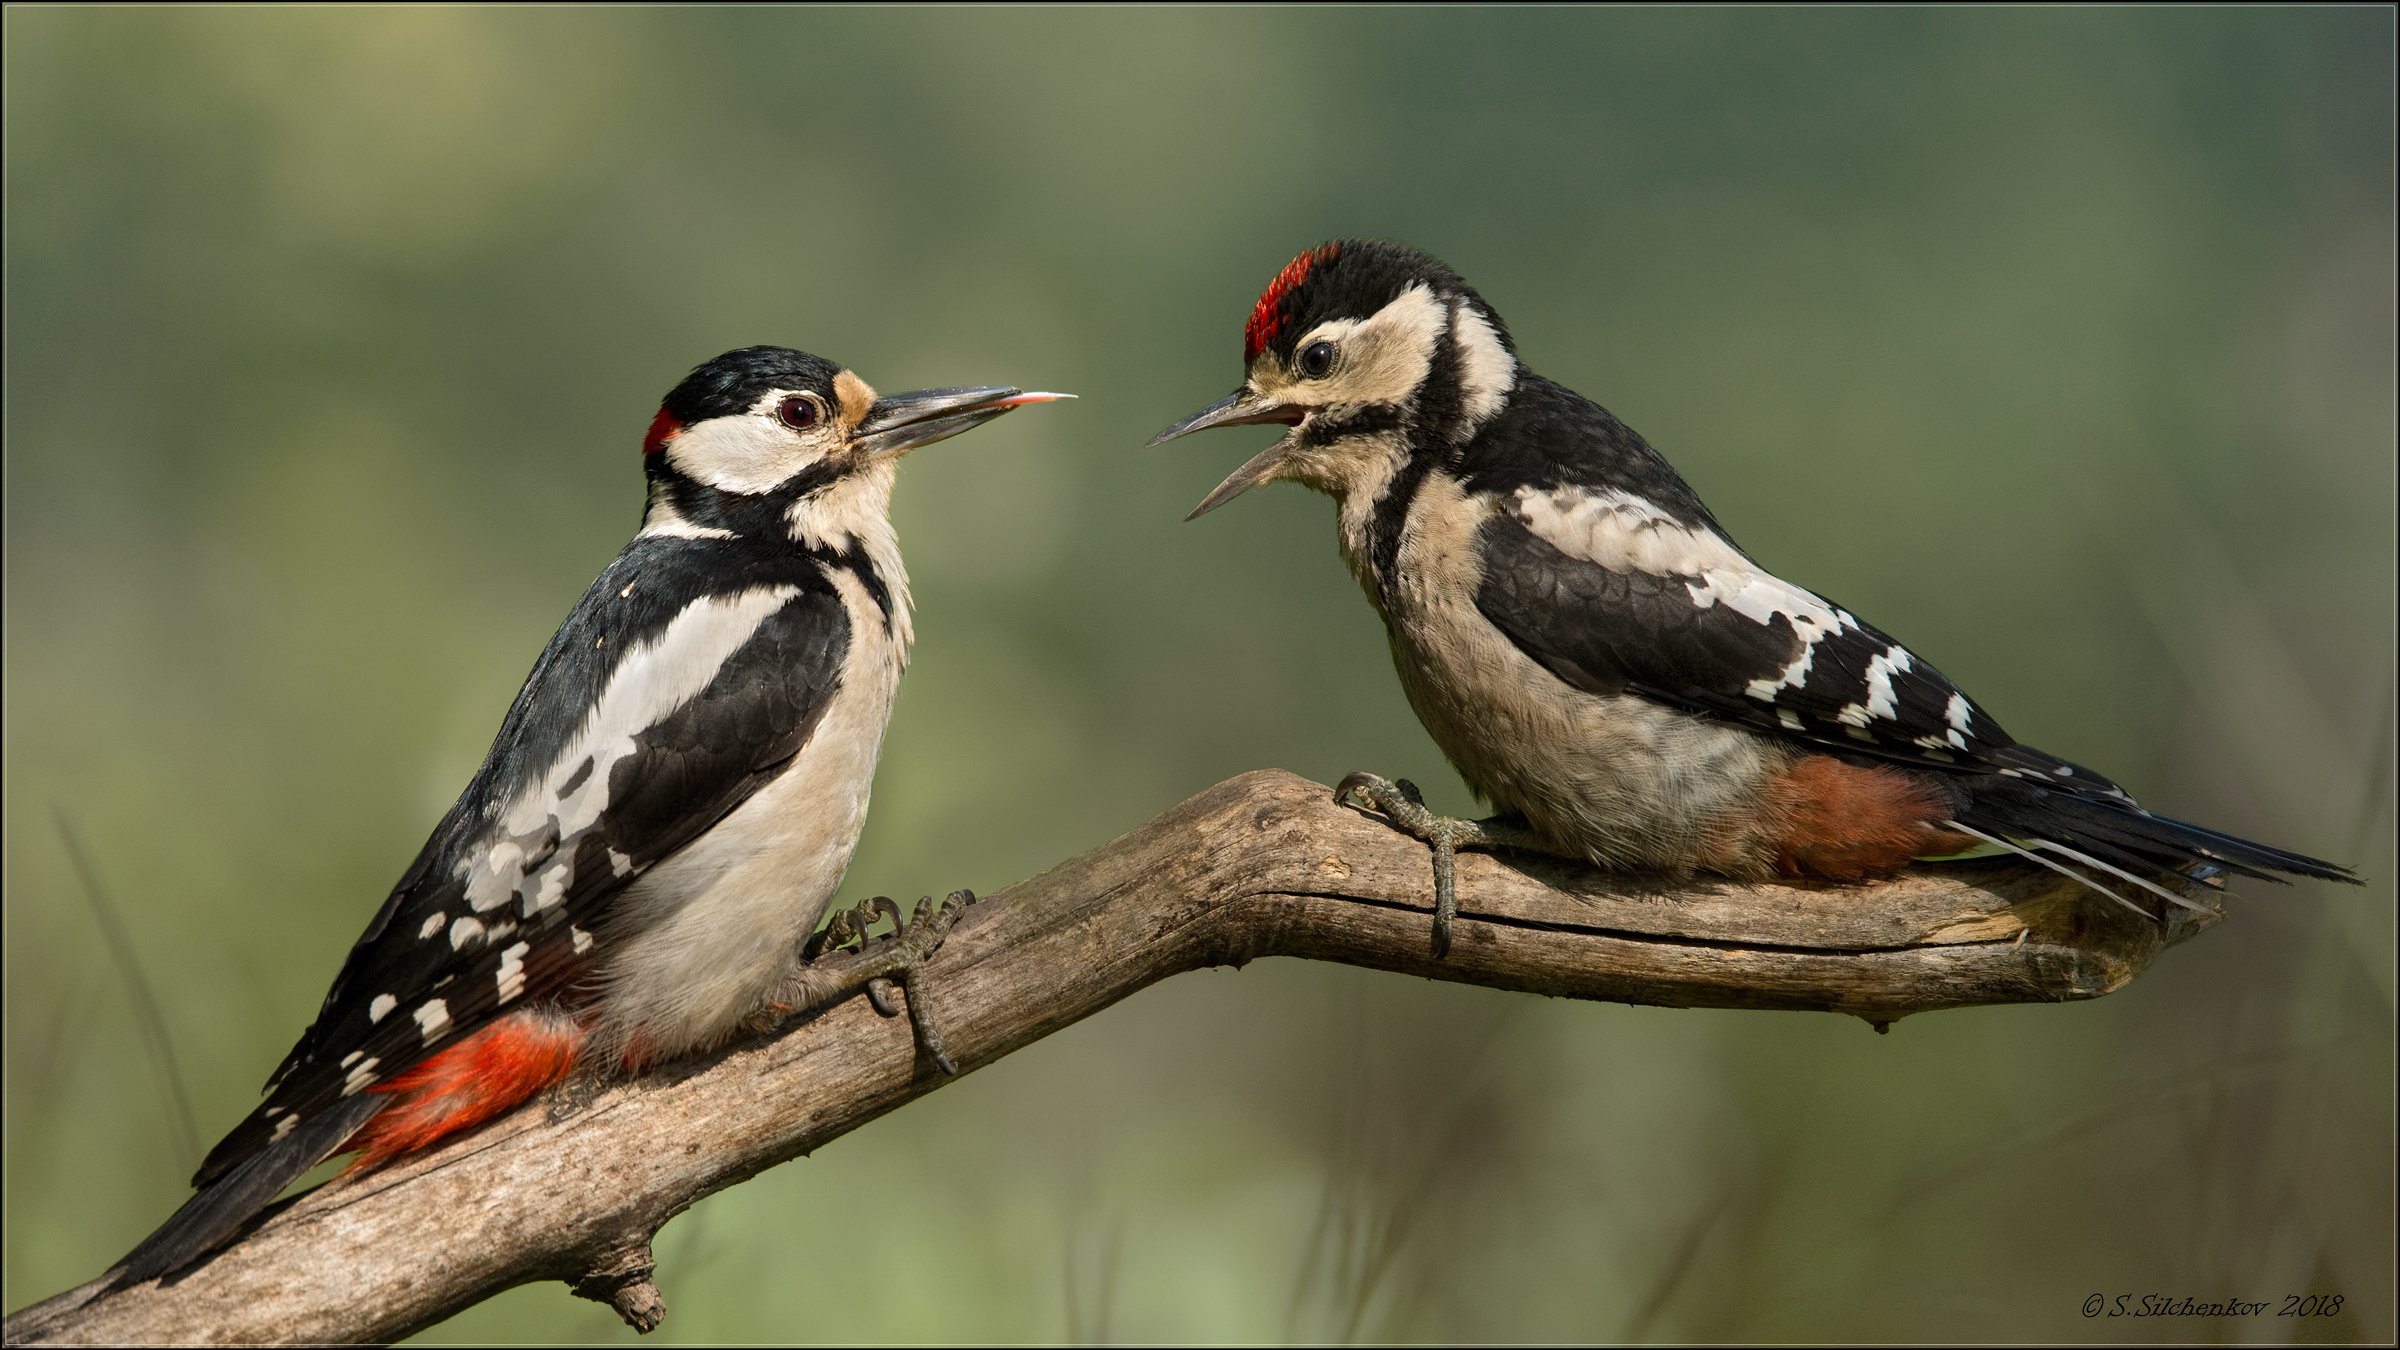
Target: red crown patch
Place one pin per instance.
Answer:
(662, 429)
(1267, 319)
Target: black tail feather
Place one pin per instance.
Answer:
(2116, 831)
(211, 1218)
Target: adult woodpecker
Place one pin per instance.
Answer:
(1598, 658)
(668, 807)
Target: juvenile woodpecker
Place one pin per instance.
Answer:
(666, 811)
(1598, 658)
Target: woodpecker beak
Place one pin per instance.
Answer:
(901, 422)
(1241, 408)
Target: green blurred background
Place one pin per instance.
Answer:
(2058, 342)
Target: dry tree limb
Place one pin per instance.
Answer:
(1261, 865)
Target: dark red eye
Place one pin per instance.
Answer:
(799, 412)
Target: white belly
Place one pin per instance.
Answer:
(1623, 781)
(706, 936)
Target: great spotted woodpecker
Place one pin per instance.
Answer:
(665, 813)
(1599, 659)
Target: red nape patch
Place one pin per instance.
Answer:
(1848, 822)
(663, 429)
(1267, 319)
(482, 1076)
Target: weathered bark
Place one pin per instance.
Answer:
(1262, 865)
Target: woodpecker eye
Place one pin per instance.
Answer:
(799, 412)
(1316, 360)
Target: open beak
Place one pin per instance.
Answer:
(899, 423)
(1242, 408)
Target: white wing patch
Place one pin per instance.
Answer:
(650, 683)
(381, 1008)
(1624, 533)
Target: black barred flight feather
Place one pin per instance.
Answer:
(1727, 640)
(1737, 644)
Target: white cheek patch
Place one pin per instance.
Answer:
(747, 453)
(1383, 358)
(1623, 533)
(1486, 372)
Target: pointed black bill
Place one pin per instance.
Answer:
(899, 423)
(1241, 408)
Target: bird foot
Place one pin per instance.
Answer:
(884, 968)
(1403, 807)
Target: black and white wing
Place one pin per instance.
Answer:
(646, 720)
(1616, 595)
(1613, 596)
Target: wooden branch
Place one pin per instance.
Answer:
(1261, 865)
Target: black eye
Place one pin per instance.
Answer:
(799, 412)
(1316, 360)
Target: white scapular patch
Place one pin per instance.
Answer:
(1486, 372)
(434, 923)
(511, 975)
(433, 1019)
(359, 1077)
(1624, 533)
(467, 929)
(381, 1007)
(651, 681)
(748, 452)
